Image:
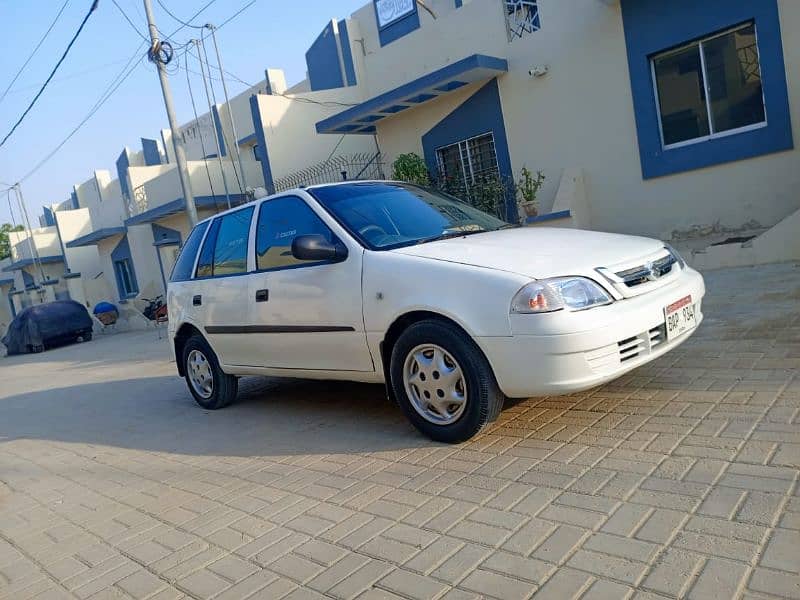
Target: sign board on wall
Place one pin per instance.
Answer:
(389, 11)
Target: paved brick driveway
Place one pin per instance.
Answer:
(678, 480)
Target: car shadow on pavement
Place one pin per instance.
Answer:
(272, 417)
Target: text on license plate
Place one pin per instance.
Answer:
(680, 317)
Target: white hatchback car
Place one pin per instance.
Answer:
(452, 308)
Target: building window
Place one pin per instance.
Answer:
(468, 163)
(709, 88)
(256, 154)
(125, 278)
(522, 18)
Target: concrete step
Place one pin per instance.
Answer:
(780, 243)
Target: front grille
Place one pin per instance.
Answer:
(631, 347)
(658, 335)
(648, 272)
(642, 344)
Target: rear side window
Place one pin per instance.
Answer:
(182, 271)
(225, 249)
(279, 222)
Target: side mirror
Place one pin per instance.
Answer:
(316, 247)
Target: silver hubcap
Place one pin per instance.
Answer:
(435, 384)
(200, 376)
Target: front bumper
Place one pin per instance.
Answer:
(565, 352)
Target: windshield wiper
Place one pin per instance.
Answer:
(447, 235)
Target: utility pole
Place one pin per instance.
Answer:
(228, 104)
(180, 155)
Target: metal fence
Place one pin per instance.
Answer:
(345, 167)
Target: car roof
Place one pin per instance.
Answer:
(295, 190)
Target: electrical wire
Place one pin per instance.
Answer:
(131, 23)
(112, 87)
(69, 76)
(190, 19)
(171, 14)
(236, 14)
(335, 148)
(199, 129)
(214, 98)
(325, 103)
(10, 211)
(35, 50)
(52, 73)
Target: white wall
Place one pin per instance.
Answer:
(84, 260)
(290, 130)
(5, 307)
(45, 240)
(145, 260)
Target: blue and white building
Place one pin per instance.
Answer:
(647, 117)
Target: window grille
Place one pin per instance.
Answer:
(522, 18)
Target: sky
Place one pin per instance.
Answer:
(268, 34)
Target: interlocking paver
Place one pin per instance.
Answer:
(680, 479)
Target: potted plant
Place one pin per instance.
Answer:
(528, 187)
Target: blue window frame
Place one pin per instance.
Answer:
(125, 278)
(689, 40)
(395, 19)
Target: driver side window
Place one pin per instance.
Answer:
(279, 222)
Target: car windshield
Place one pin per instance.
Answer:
(391, 215)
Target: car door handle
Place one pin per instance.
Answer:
(262, 295)
(197, 300)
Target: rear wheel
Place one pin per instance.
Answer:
(443, 383)
(211, 387)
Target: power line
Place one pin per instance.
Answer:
(69, 76)
(190, 19)
(199, 129)
(52, 73)
(325, 103)
(131, 23)
(171, 14)
(35, 50)
(112, 87)
(236, 14)
(214, 98)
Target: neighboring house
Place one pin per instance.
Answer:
(7, 310)
(42, 267)
(139, 219)
(646, 116)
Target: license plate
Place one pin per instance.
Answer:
(680, 317)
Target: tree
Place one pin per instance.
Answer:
(5, 245)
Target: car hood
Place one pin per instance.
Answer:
(538, 252)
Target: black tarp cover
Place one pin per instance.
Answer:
(40, 324)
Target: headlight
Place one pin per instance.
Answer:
(675, 255)
(558, 293)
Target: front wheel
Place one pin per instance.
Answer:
(211, 387)
(443, 383)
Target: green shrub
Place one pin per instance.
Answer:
(411, 168)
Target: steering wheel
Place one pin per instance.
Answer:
(372, 227)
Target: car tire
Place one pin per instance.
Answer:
(479, 397)
(204, 370)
